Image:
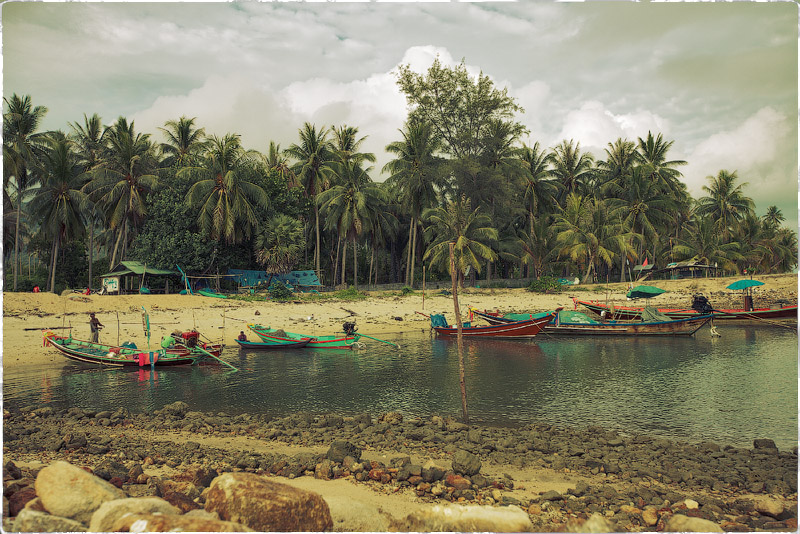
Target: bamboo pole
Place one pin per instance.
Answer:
(459, 334)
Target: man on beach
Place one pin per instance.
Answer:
(95, 326)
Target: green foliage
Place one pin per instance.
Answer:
(405, 290)
(545, 284)
(279, 291)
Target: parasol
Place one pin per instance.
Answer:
(745, 284)
(644, 292)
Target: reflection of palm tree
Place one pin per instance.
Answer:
(415, 171)
(22, 147)
(470, 230)
(225, 192)
(725, 203)
(59, 204)
(313, 155)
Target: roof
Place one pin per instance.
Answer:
(136, 267)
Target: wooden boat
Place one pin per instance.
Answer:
(255, 345)
(633, 312)
(276, 336)
(495, 317)
(88, 352)
(513, 330)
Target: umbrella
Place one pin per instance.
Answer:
(644, 292)
(745, 284)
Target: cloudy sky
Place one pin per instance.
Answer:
(720, 79)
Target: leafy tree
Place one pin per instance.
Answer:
(279, 244)
(726, 203)
(416, 171)
(225, 193)
(703, 242)
(470, 230)
(22, 148)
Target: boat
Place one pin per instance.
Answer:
(525, 329)
(256, 345)
(211, 293)
(98, 353)
(700, 306)
(345, 340)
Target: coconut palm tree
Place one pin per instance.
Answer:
(349, 207)
(346, 144)
(22, 149)
(726, 203)
(313, 154)
(416, 171)
(276, 160)
(59, 203)
(470, 230)
(703, 242)
(774, 217)
(652, 154)
(571, 168)
(185, 142)
(225, 192)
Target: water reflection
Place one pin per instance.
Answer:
(730, 389)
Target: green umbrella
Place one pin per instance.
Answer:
(745, 284)
(644, 292)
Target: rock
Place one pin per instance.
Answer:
(178, 408)
(551, 495)
(458, 482)
(174, 523)
(71, 492)
(767, 506)
(11, 469)
(650, 516)
(181, 501)
(596, 523)
(466, 463)
(466, 519)
(265, 505)
(393, 418)
(682, 523)
(340, 449)
(108, 469)
(104, 517)
(33, 521)
(764, 443)
(19, 499)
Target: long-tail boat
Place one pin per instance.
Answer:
(278, 336)
(256, 345)
(613, 311)
(525, 329)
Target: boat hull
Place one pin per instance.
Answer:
(255, 345)
(514, 330)
(633, 312)
(108, 355)
(267, 335)
(677, 327)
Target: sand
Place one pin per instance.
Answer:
(25, 315)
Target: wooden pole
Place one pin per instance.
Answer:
(459, 334)
(118, 328)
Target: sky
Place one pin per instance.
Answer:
(718, 79)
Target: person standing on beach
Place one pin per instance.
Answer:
(95, 326)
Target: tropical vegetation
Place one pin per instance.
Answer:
(75, 204)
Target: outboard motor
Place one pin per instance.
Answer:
(701, 305)
(349, 328)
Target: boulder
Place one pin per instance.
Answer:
(105, 517)
(340, 449)
(764, 443)
(466, 519)
(18, 500)
(33, 521)
(108, 469)
(769, 507)
(174, 523)
(71, 492)
(682, 523)
(596, 523)
(264, 505)
(177, 408)
(466, 463)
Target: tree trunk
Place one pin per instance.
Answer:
(316, 250)
(91, 252)
(336, 260)
(355, 264)
(371, 264)
(344, 257)
(55, 262)
(413, 252)
(16, 241)
(588, 270)
(408, 250)
(459, 336)
(622, 267)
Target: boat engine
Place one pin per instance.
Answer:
(701, 305)
(349, 328)
(190, 338)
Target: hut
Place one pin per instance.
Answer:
(130, 276)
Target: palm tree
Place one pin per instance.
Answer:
(349, 207)
(470, 230)
(346, 144)
(225, 191)
(571, 168)
(725, 203)
(313, 155)
(619, 163)
(185, 143)
(279, 244)
(275, 160)
(22, 147)
(541, 189)
(415, 171)
(536, 245)
(59, 203)
(652, 154)
(703, 242)
(774, 217)
(121, 182)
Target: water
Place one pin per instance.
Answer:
(730, 389)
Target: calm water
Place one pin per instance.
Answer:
(731, 389)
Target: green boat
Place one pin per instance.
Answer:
(211, 293)
(278, 336)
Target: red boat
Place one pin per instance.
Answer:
(627, 313)
(514, 330)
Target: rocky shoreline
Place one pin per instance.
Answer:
(623, 483)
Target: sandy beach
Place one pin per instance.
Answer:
(361, 505)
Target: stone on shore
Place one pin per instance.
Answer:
(340, 449)
(466, 519)
(764, 443)
(596, 523)
(265, 505)
(682, 523)
(466, 463)
(33, 521)
(71, 492)
(174, 523)
(105, 517)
